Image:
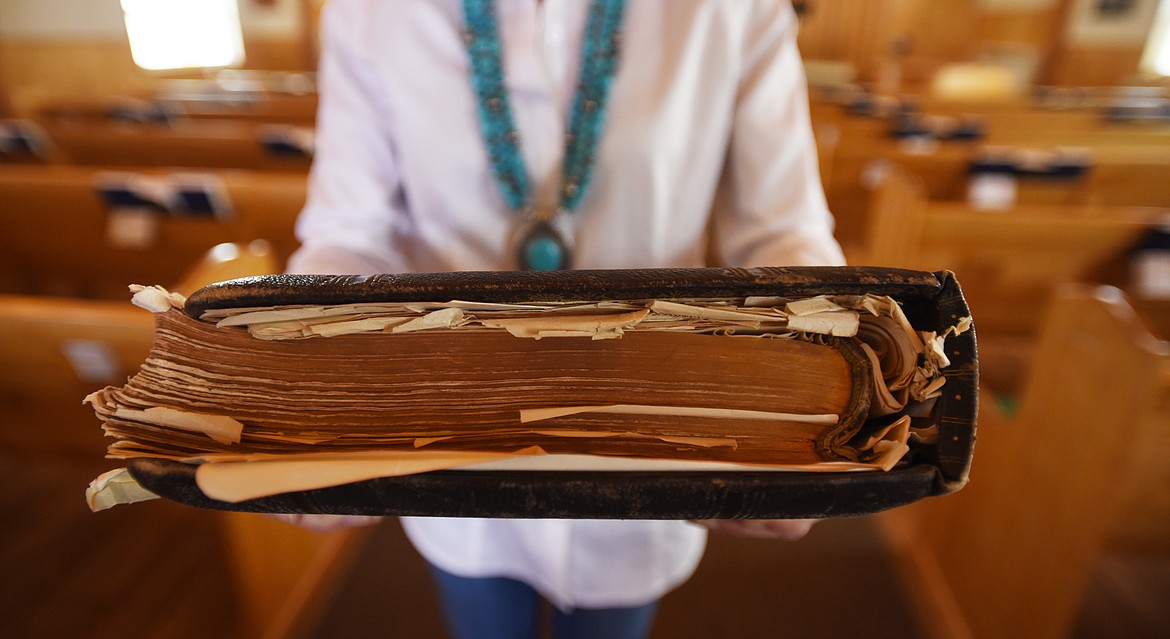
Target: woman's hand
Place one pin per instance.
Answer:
(784, 529)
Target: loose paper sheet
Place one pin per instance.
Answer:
(221, 428)
(239, 481)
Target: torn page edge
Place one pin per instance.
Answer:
(113, 488)
(538, 414)
(840, 323)
(155, 299)
(812, 306)
(220, 428)
(442, 318)
(677, 309)
(276, 314)
(595, 326)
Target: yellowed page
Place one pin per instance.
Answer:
(239, 481)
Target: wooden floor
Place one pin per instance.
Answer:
(159, 570)
(1129, 596)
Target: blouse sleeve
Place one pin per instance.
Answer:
(770, 209)
(354, 197)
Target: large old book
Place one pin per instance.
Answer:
(662, 393)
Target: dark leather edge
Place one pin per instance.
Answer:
(582, 285)
(600, 495)
(960, 401)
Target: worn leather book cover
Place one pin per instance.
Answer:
(653, 393)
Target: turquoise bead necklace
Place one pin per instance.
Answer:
(543, 242)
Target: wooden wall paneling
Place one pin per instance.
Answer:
(271, 53)
(853, 32)
(37, 71)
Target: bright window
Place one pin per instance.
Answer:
(1157, 54)
(182, 34)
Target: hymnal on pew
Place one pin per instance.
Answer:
(663, 393)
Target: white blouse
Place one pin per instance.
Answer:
(707, 153)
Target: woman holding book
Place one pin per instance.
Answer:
(543, 134)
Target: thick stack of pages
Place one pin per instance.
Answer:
(587, 393)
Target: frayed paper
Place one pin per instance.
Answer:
(220, 428)
(114, 488)
(155, 299)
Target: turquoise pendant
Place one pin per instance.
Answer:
(542, 248)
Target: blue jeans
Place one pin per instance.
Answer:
(502, 608)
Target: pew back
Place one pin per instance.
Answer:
(57, 351)
(58, 235)
(1011, 553)
(225, 144)
(1008, 262)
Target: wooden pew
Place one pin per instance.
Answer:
(229, 261)
(1113, 175)
(1011, 554)
(188, 143)
(1008, 262)
(59, 350)
(56, 351)
(1025, 122)
(860, 163)
(300, 110)
(24, 141)
(1130, 158)
(56, 230)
